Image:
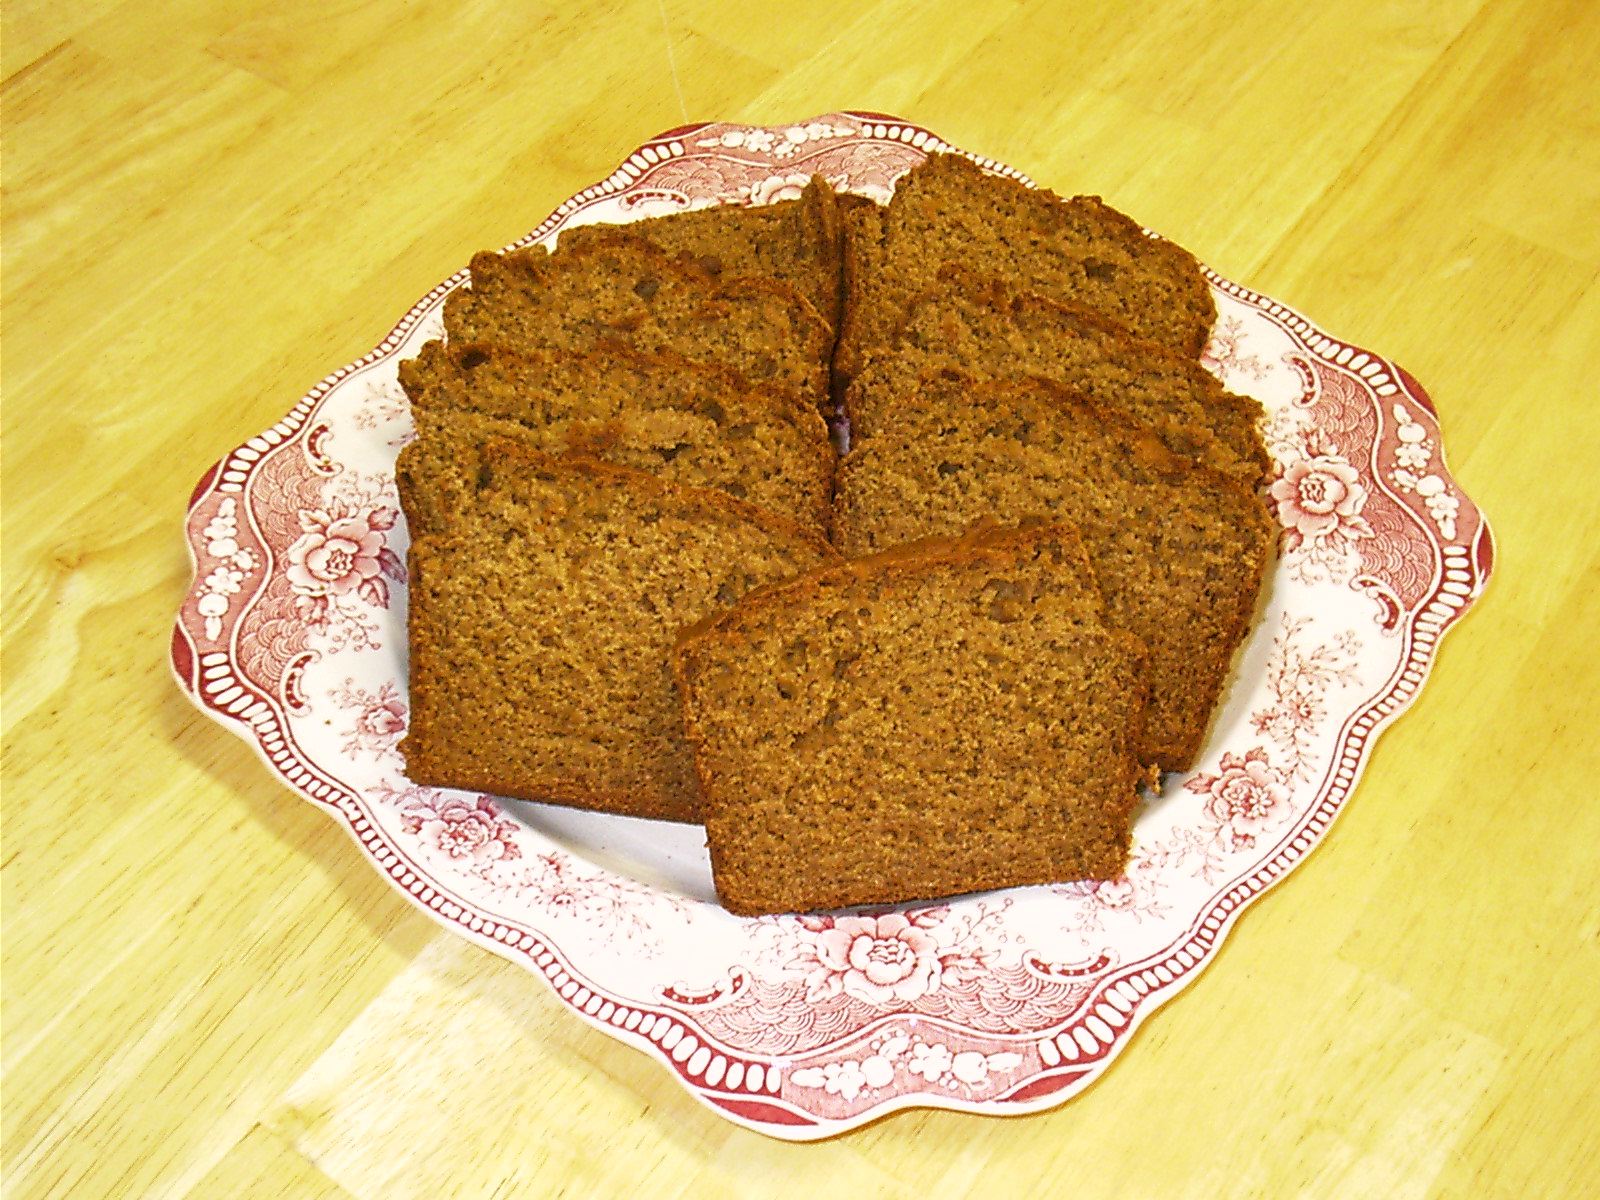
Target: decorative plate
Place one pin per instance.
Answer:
(293, 636)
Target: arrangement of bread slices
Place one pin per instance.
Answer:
(645, 581)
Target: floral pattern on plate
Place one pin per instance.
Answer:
(293, 635)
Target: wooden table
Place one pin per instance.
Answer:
(210, 204)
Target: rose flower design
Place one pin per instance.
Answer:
(476, 831)
(1320, 498)
(1244, 797)
(382, 720)
(1118, 893)
(876, 959)
(338, 554)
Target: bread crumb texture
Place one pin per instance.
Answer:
(916, 724)
(542, 622)
(644, 581)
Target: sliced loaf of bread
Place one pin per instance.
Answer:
(946, 717)
(1181, 550)
(621, 289)
(948, 209)
(542, 623)
(861, 240)
(659, 412)
(793, 241)
(990, 330)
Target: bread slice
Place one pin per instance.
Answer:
(620, 289)
(541, 626)
(947, 717)
(1181, 550)
(793, 241)
(989, 330)
(861, 238)
(689, 422)
(948, 209)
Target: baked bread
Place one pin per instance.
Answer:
(947, 717)
(793, 241)
(861, 240)
(989, 330)
(542, 623)
(620, 289)
(1180, 550)
(948, 209)
(935, 717)
(690, 422)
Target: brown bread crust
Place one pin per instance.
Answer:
(1078, 249)
(861, 239)
(946, 717)
(990, 330)
(795, 242)
(618, 288)
(691, 422)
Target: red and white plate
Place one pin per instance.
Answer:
(293, 636)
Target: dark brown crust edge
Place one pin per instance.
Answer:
(1254, 465)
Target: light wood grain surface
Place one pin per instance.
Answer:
(209, 204)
